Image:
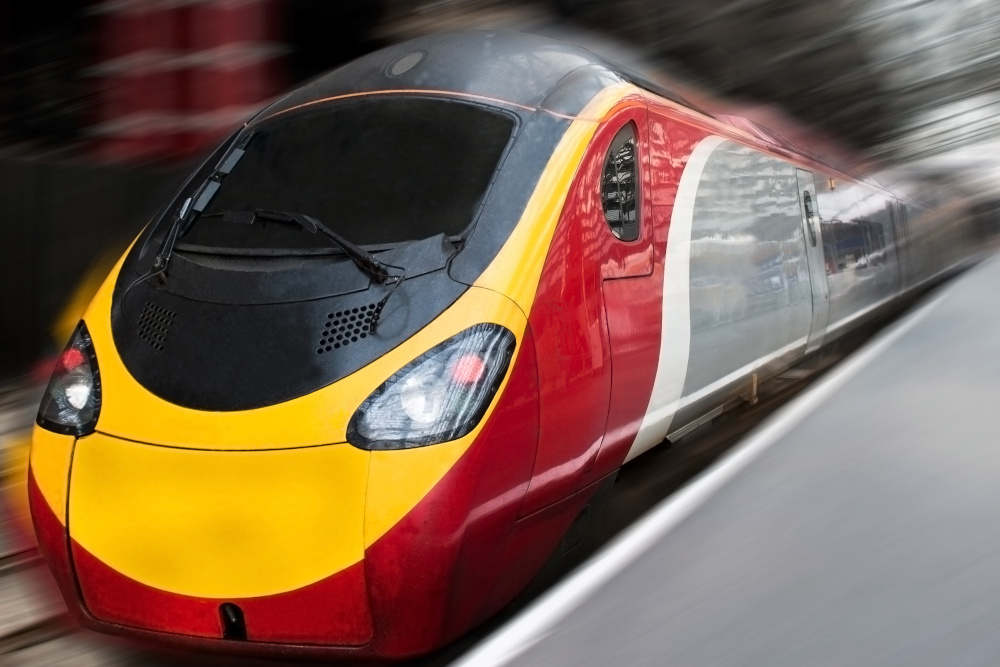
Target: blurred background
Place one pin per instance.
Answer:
(104, 105)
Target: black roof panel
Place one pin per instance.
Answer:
(515, 67)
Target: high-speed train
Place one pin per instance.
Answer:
(381, 356)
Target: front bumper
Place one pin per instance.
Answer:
(161, 537)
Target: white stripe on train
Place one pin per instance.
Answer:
(675, 338)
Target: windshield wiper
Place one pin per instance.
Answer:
(193, 204)
(197, 203)
(364, 260)
(361, 257)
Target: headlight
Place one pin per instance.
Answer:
(438, 396)
(72, 400)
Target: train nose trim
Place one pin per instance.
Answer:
(219, 525)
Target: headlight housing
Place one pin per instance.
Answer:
(439, 396)
(72, 401)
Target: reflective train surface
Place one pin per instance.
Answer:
(381, 357)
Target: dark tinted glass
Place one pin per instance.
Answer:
(385, 170)
(619, 186)
(807, 203)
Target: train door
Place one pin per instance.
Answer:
(631, 281)
(595, 308)
(814, 254)
(897, 221)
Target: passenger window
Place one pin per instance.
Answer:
(807, 203)
(620, 186)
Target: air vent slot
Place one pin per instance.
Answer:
(346, 326)
(154, 325)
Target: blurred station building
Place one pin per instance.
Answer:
(162, 79)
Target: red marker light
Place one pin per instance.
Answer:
(468, 369)
(71, 358)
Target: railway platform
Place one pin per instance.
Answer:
(858, 525)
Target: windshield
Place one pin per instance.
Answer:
(377, 171)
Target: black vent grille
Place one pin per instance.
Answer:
(154, 325)
(345, 327)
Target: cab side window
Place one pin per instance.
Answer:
(620, 185)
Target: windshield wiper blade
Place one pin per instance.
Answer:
(197, 203)
(364, 260)
(361, 257)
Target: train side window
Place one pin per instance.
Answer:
(807, 203)
(620, 185)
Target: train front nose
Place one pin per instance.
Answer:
(163, 537)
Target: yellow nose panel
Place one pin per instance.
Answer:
(219, 524)
(50, 460)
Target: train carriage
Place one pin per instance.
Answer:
(371, 367)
